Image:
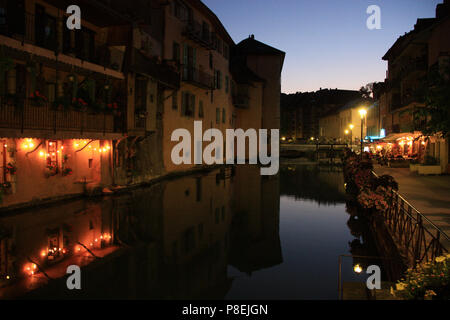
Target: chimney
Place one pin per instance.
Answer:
(443, 9)
(252, 36)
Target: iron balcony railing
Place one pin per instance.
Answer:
(27, 114)
(198, 33)
(197, 77)
(414, 232)
(43, 31)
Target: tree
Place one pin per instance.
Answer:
(367, 90)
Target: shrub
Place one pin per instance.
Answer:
(430, 280)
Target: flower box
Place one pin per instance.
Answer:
(425, 170)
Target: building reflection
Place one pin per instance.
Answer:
(173, 240)
(323, 184)
(255, 239)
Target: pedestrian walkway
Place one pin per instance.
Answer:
(428, 194)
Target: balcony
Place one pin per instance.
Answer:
(196, 32)
(162, 72)
(42, 31)
(27, 114)
(197, 77)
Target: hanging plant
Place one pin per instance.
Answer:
(38, 99)
(79, 104)
(67, 172)
(11, 168)
(51, 170)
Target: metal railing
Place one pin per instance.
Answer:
(414, 232)
(196, 32)
(197, 77)
(27, 114)
(43, 32)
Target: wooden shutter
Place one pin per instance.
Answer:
(183, 103)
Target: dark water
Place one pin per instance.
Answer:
(217, 235)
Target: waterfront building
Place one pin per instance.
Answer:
(224, 85)
(62, 100)
(410, 60)
(91, 109)
(344, 124)
(300, 112)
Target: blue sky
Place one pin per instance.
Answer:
(327, 43)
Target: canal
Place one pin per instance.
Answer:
(230, 234)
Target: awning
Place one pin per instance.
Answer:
(393, 137)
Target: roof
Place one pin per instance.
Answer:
(220, 29)
(252, 46)
(403, 41)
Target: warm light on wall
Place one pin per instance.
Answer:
(28, 144)
(30, 268)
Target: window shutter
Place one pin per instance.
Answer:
(183, 103)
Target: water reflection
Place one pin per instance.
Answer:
(223, 234)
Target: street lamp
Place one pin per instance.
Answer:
(346, 133)
(362, 113)
(351, 126)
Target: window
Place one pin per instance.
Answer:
(219, 45)
(227, 84)
(175, 100)
(223, 115)
(51, 91)
(181, 11)
(200, 109)
(225, 51)
(217, 115)
(176, 52)
(52, 158)
(85, 44)
(218, 79)
(210, 61)
(188, 104)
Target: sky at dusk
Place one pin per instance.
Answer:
(327, 43)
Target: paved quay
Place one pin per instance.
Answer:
(428, 194)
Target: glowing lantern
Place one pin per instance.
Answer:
(357, 268)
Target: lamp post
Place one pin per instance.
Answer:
(362, 113)
(351, 126)
(346, 135)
